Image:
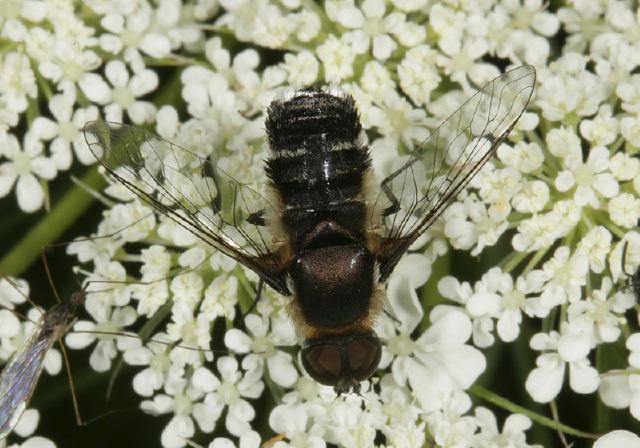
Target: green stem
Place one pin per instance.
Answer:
(65, 213)
(496, 399)
(535, 259)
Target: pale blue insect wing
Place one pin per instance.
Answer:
(20, 376)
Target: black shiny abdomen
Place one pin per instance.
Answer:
(317, 163)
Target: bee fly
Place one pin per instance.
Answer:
(324, 232)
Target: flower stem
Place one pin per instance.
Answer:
(496, 399)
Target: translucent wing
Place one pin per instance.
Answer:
(414, 195)
(193, 191)
(20, 376)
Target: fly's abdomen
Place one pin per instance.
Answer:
(318, 163)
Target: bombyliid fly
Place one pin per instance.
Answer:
(323, 231)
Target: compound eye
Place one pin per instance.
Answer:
(323, 363)
(364, 356)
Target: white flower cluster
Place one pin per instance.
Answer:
(563, 193)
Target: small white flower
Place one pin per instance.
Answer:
(261, 346)
(337, 58)
(64, 130)
(621, 388)
(564, 143)
(191, 330)
(525, 157)
(394, 117)
(250, 439)
(623, 268)
(347, 423)
(624, 167)
(565, 274)
(68, 63)
(624, 210)
(230, 391)
(520, 30)
(17, 81)
(590, 178)
(371, 27)
(595, 246)
(301, 67)
(309, 25)
(630, 129)
(449, 426)
(448, 25)
(570, 89)
(513, 431)
(463, 294)
(181, 401)
(22, 168)
(603, 310)
(13, 291)
(603, 129)
(418, 74)
(376, 79)
(629, 93)
(435, 353)
(570, 346)
(296, 423)
(108, 324)
(460, 63)
(132, 32)
(532, 197)
(541, 230)
(156, 356)
(131, 221)
(122, 96)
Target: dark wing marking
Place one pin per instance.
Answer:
(415, 195)
(20, 375)
(191, 190)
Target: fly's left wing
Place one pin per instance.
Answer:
(415, 195)
(20, 376)
(192, 190)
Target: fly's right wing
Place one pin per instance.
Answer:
(416, 194)
(193, 191)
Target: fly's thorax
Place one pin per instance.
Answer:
(61, 315)
(333, 285)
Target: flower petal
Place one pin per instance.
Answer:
(543, 384)
(617, 439)
(29, 192)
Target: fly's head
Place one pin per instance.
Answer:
(342, 361)
(59, 317)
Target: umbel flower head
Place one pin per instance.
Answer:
(521, 285)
